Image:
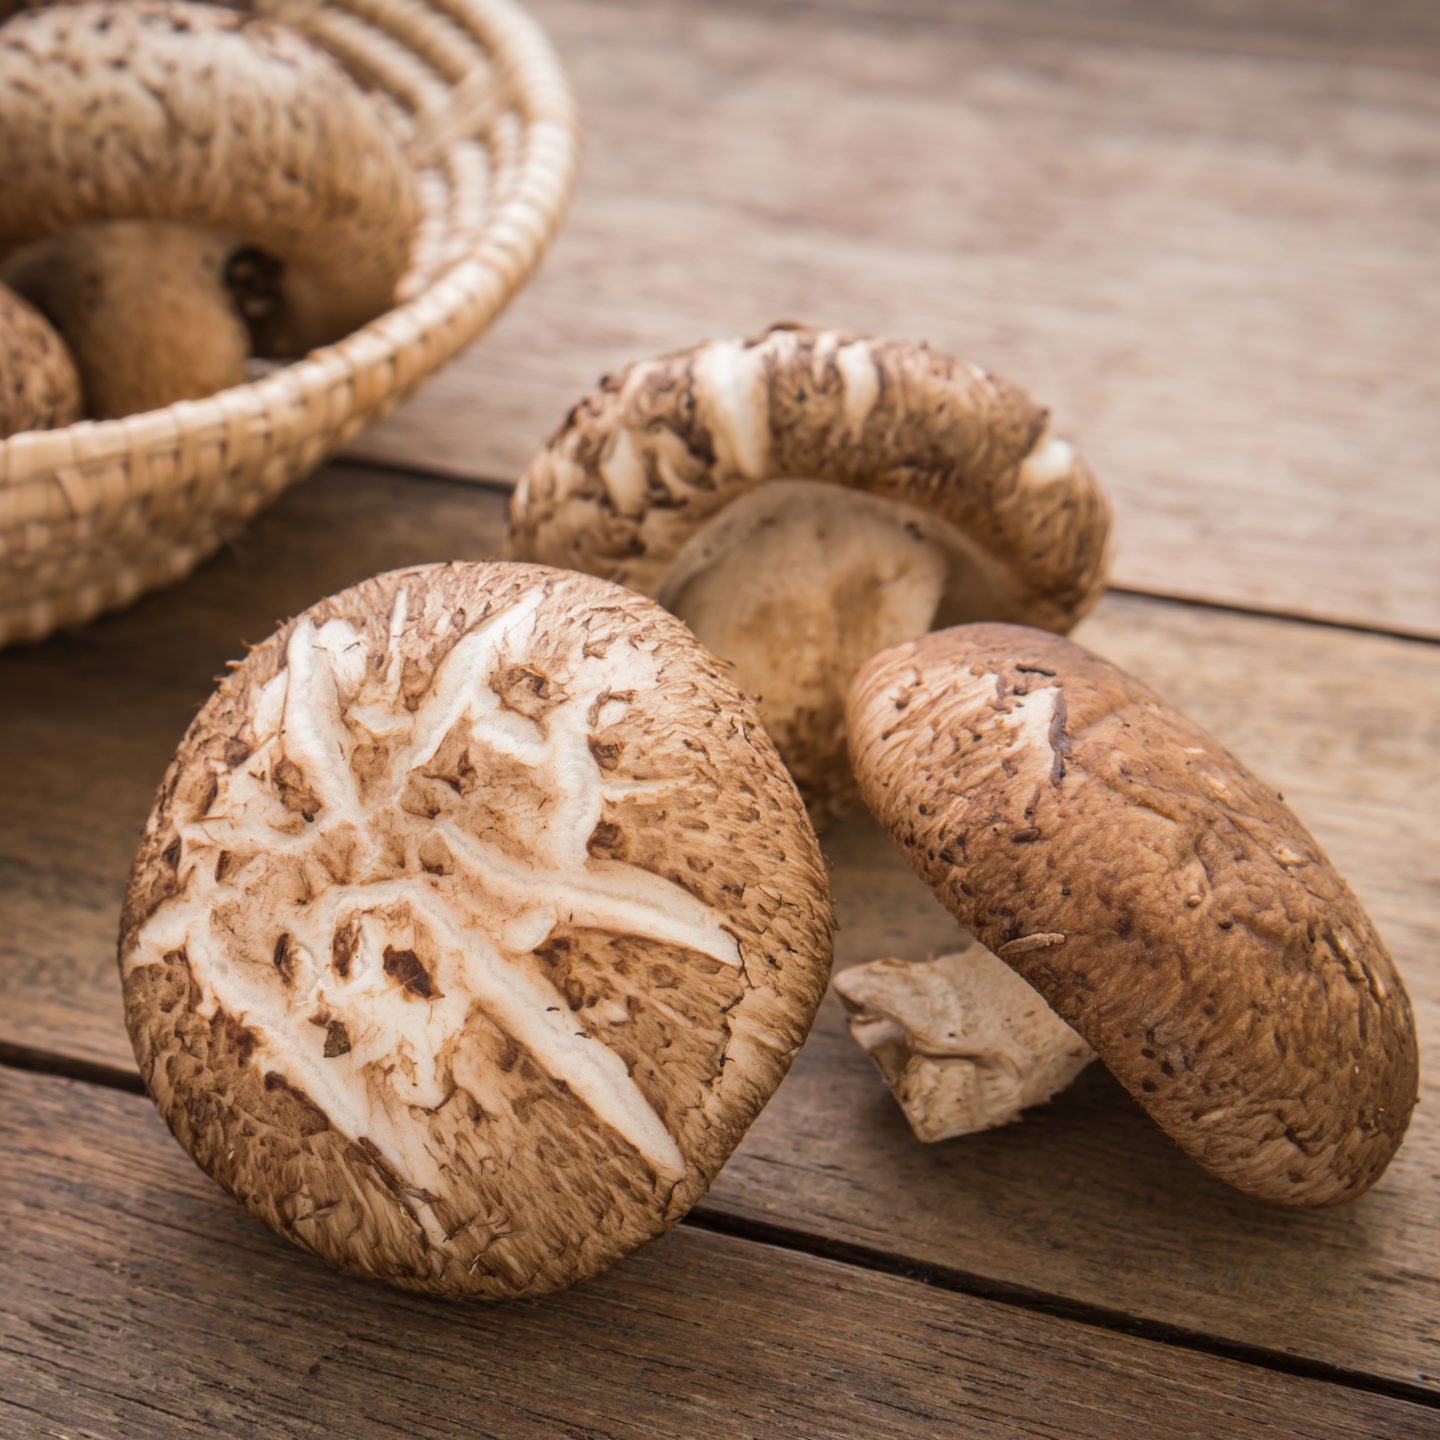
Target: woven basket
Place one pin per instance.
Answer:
(93, 515)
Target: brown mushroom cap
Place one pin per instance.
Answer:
(160, 109)
(144, 307)
(39, 388)
(475, 921)
(1164, 901)
(809, 497)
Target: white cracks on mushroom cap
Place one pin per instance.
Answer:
(453, 694)
(733, 396)
(599, 894)
(1050, 459)
(313, 731)
(623, 471)
(393, 954)
(861, 380)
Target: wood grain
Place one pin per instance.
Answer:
(1388, 32)
(140, 1302)
(1204, 235)
(1086, 1201)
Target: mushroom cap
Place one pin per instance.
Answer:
(475, 921)
(39, 388)
(651, 455)
(641, 483)
(1166, 903)
(164, 110)
(144, 308)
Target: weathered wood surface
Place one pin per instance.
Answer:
(140, 1302)
(1205, 234)
(1086, 1201)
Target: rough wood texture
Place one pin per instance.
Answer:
(1203, 234)
(1086, 1200)
(140, 1303)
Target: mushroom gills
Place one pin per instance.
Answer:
(798, 582)
(963, 1042)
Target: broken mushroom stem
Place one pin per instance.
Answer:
(962, 1041)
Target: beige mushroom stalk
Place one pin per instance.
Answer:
(963, 1042)
(1164, 902)
(165, 110)
(145, 308)
(475, 921)
(39, 388)
(808, 498)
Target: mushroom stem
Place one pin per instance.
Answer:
(962, 1040)
(144, 306)
(798, 583)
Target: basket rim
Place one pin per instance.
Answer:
(509, 244)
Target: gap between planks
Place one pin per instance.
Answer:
(379, 465)
(1185, 29)
(864, 1257)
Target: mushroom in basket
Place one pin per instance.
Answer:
(808, 498)
(38, 384)
(266, 197)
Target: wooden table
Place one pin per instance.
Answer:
(1207, 234)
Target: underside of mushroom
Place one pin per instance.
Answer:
(145, 307)
(796, 584)
(806, 498)
(963, 1042)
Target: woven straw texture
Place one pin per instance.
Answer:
(93, 515)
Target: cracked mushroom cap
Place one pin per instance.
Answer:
(163, 110)
(1166, 903)
(39, 388)
(475, 921)
(803, 500)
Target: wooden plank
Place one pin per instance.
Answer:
(1218, 268)
(1085, 1201)
(141, 1302)
(1390, 32)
